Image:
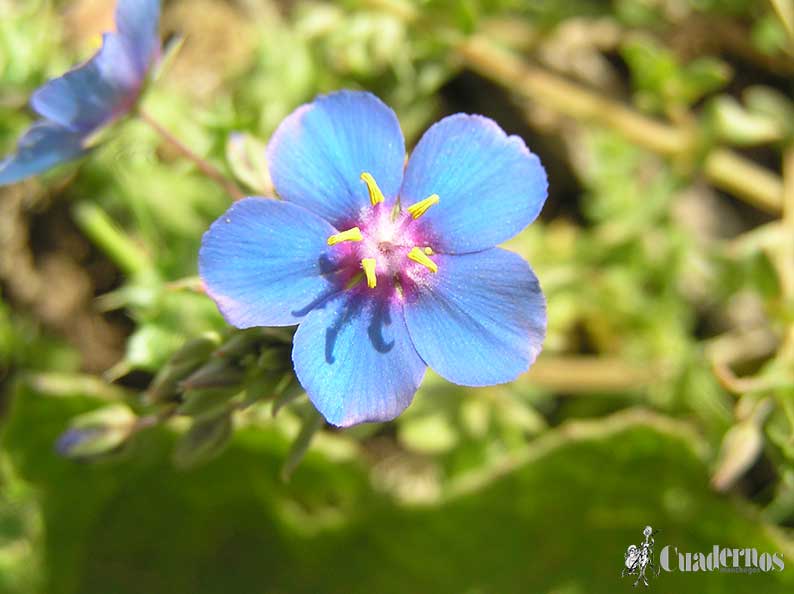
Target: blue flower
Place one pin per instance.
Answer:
(387, 269)
(81, 102)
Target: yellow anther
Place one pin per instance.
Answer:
(420, 208)
(95, 42)
(368, 264)
(375, 195)
(429, 251)
(353, 234)
(420, 257)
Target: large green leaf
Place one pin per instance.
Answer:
(556, 518)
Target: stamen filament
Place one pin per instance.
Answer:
(354, 280)
(368, 264)
(375, 195)
(420, 208)
(353, 234)
(420, 257)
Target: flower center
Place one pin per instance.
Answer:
(386, 246)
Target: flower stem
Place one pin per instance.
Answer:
(204, 166)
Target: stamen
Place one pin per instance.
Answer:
(420, 257)
(353, 234)
(368, 264)
(396, 210)
(375, 195)
(95, 42)
(420, 208)
(429, 251)
(356, 278)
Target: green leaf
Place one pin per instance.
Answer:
(206, 402)
(737, 125)
(310, 424)
(662, 83)
(556, 516)
(246, 157)
(206, 439)
(150, 346)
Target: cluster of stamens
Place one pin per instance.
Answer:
(387, 243)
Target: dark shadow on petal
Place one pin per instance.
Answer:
(361, 303)
(352, 309)
(327, 267)
(381, 317)
(317, 302)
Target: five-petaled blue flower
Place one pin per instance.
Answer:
(387, 268)
(81, 102)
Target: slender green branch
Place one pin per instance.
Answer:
(754, 184)
(785, 12)
(787, 241)
(569, 98)
(204, 166)
(103, 231)
(788, 187)
(724, 168)
(588, 374)
(785, 251)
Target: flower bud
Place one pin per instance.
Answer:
(217, 373)
(205, 439)
(207, 401)
(98, 432)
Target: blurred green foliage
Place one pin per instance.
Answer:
(553, 518)
(665, 394)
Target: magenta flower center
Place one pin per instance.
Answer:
(386, 248)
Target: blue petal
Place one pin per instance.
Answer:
(265, 263)
(42, 147)
(481, 319)
(138, 22)
(95, 93)
(317, 155)
(355, 359)
(490, 186)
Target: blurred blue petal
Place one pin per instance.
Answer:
(43, 146)
(318, 153)
(490, 186)
(266, 263)
(93, 94)
(138, 22)
(481, 320)
(354, 358)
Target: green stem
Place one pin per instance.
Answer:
(785, 12)
(572, 374)
(203, 165)
(786, 247)
(786, 400)
(100, 228)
